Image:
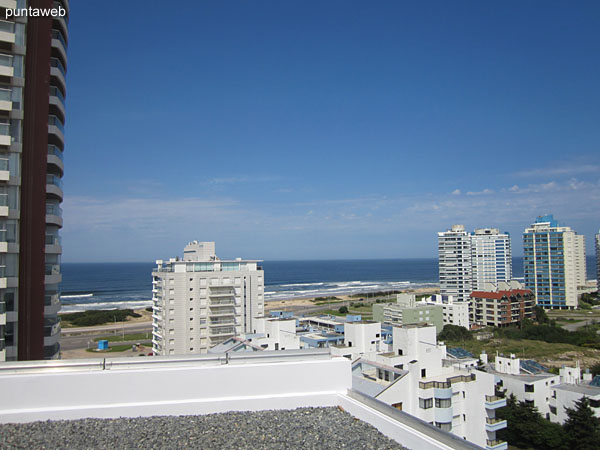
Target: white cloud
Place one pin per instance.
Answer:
(561, 169)
(456, 192)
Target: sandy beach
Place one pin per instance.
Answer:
(311, 301)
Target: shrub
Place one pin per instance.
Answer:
(343, 310)
(98, 317)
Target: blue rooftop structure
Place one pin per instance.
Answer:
(547, 218)
(459, 353)
(282, 314)
(533, 367)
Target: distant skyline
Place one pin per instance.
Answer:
(326, 130)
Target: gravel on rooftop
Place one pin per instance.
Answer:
(302, 428)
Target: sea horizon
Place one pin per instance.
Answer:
(107, 285)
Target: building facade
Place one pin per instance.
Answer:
(454, 312)
(469, 260)
(33, 61)
(454, 249)
(598, 261)
(491, 257)
(502, 305)
(407, 311)
(553, 263)
(416, 377)
(201, 301)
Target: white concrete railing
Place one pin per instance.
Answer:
(204, 384)
(127, 387)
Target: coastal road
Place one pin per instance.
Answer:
(75, 338)
(135, 327)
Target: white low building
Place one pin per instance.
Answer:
(453, 312)
(416, 377)
(551, 394)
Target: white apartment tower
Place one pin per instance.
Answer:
(454, 247)
(491, 257)
(598, 260)
(469, 260)
(201, 301)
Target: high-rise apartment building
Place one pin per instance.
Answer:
(454, 247)
(33, 58)
(553, 263)
(598, 261)
(467, 261)
(201, 300)
(491, 257)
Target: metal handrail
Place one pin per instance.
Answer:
(54, 366)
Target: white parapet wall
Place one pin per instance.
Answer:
(202, 384)
(122, 387)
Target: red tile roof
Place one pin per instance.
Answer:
(501, 294)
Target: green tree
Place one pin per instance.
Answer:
(454, 333)
(540, 315)
(582, 428)
(343, 310)
(526, 428)
(595, 369)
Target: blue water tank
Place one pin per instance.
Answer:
(103, 345)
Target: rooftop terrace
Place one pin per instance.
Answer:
(210, 401)
(303, 428)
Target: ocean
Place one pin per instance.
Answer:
(129, 285)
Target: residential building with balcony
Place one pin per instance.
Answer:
(33, 61)
(417, 377)
(469, 260)
(407, 311)
(453, 312)
(454, 249)
(502, 305)
(598, 261)
(200, 301)
(553, 263)
(491, 257)
(551, 394)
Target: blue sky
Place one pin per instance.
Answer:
(326, 129)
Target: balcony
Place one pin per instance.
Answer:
(53, 244)
(55, 158)
(56, 130)
(52, 274)
(53, 215)
(7, 31)
(496, 445)
(51, 304)
(5, 137)
(6, 103)
(54, 186)
(57, 100)
(58, 72)
(494, 424)
(6, 66)
(4, 169)
(223, 302)
(494, 402)
(60, 44)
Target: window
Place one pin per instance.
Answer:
(423, 373)
(529, 388)
(425, 403)
(553, 409)
(443, 403)
(399, 352)
(397, 405)
(446, 426)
